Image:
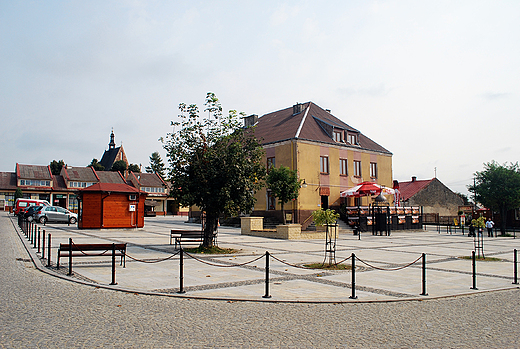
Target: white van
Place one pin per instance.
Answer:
(21, 205)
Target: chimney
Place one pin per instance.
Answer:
(250, 120)
(297, 108)
(328, 110)
(414, 178)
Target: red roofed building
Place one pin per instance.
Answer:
(432, 195)
(111, 205)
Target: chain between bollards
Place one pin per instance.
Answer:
(353, 296)
(266, 295)
(474, 272)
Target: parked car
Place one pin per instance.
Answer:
(31, 211)
(23, 204)
(55, 214)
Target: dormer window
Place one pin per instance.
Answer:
(338, 135)
(352, 138)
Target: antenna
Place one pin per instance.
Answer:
(435, 172)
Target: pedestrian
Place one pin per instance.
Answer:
(489, 225)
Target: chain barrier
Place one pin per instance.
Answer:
(388, 269)
(303, 267)
(90, 254)
(153, 261)
(223, 266)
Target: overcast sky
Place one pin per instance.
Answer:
(435, 82)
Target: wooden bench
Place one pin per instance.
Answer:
(81, 250)
(187, 236)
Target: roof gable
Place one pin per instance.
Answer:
(409, 189)
(109, 157)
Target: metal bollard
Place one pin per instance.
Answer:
(70, 257)
(113, 265)
(474, 273)
(515, 269)
(49, 254)
(38, 239)
(43, 244)
(353, 296)
(34, 236)
(266, 295)
(424, 275)
(181, 271)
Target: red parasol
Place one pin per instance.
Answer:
(365, 189)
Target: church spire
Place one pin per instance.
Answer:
(112, 143)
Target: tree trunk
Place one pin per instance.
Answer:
(503, 220)
(209, 229)
(283, 213)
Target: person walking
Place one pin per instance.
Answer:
(489, 225)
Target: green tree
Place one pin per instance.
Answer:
(156, 165)
(498, 188)
(96, 165)
(284, 185)
(119, 165)
(134, 168)
(214, 163)
(18, 194)
(56, 166)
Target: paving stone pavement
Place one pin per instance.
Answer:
(42, 310)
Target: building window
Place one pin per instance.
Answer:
(271, 201)
(270, 163)
(324, 164)
(357, 168)
(343, 170)
(35, 183)
(338, 136)
(351, 139)
(373, 170)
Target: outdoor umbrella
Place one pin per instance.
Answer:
(367, 188)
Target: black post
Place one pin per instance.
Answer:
(113, 265)
(70, 257)
(181, 269)
(474, 273)
(515, 269)
(34, 237)
(353, 296)
(43, 244)
(38, 239)
(424, 275)
(266, 295)
(49, 254)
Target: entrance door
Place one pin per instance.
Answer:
(324, 202)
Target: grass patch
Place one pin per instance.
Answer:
(211, 250)
(327, 266)
(487, 259)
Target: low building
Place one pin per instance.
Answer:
(432, 195)
(109, 205)
(155, 187)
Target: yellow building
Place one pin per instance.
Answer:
(329, 155)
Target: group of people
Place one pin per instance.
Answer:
(489, 226)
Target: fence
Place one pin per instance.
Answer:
(32, 233)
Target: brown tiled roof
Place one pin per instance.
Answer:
(111, 187)
(312, 123)
(58, 183)
(409, 189)
(81, 174)
(33, 172)
(110, 177)
(8, 181)
(151, 180)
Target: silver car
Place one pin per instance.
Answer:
(55, 214)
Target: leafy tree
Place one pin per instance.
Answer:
(284, 185)
(498, 188)
(464, 197)
(96, 165)
(56, 166)
(214, 163)
(134, 168)
(156, 165)
(18, 194)
(119, 165)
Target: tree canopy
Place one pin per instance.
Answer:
(498, 188)
(96, 165)
(56, 166)
(134, 168)
(284, 185)
(214, 163)
(156, 165)
(119, 165)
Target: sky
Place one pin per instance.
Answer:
(437, 83)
